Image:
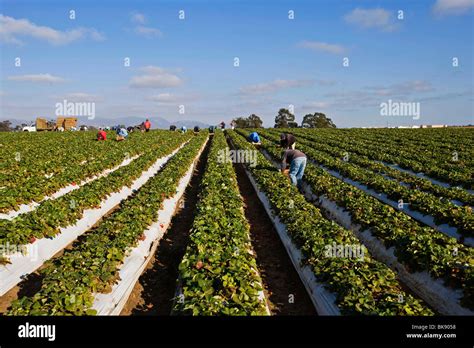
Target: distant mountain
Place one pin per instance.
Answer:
(191, 124)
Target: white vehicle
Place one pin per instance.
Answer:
(31, 128)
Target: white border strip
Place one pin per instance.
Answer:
(46, 248)
(135, 263)
(29, 207)
(323, 300)
(428, 220)
(443, 299)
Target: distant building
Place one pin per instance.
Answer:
(434, 125)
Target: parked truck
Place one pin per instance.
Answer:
(62, 124)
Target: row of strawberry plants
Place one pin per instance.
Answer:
(443, 212)
(361, 286)
(348, 153)
(424, 142)
(92, 266)
(441, 140)
(457, 160)
(31, 179)
(436, 166)
(36, 149)
(218, 273)
(417, 247)
(35, 156)
(53, 214)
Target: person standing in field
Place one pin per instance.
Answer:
(101, 135)
(295, 158)
(147, 125)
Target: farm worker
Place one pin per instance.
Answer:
(211, 129)
(122, 134)
(196, 129)
(297, 161)
(222, 125)
(172, 127)
(147, 125)
(183, 129)
(254, 138)
(287, 141)
(232, 125)
(101, 135)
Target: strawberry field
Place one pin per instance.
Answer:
(206, 224)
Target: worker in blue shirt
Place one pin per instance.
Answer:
(254, 138)
(122, 133)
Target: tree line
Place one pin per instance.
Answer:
(285, 119)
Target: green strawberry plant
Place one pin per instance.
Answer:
(93, 264)
(361, 286)
(418, 247)
(218, 273)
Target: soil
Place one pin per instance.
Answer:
(154, 292)
(283, 288)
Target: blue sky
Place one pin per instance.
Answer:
(190, 62)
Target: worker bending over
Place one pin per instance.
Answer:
(254, 138)
(101, 135)
(295, 158)
(122, 134)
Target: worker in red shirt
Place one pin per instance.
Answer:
(147, 125)
(101, 135)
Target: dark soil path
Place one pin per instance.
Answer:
(284, 290)
(153, 293)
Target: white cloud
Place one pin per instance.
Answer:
(274, 86)
(371, 96)
(148, 31)
(316, 105)
(36, 78)
(452, 7)
(403, 88)
(137, 17)
(163, 98)
(323, 47)
(80, 97)
(155, 77)
(377, 18)
(11, 29)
